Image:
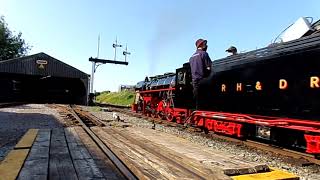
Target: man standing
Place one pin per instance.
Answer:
(200, 64)
(232, 50)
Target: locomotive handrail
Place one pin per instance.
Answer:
(157, 90)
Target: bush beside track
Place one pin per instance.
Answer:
(123, 98)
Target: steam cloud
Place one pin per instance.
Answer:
(169, 27)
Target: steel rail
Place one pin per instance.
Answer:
(116, 161)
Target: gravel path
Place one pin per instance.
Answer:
(15, 122)
(249, 154)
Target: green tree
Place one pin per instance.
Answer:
(11, 46)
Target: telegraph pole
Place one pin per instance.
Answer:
(96, 62)
(93, 70)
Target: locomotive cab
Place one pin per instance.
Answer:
(184, 88)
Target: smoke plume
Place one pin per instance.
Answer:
(169, 26)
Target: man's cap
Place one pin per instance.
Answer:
(200, 42)
(231, 49)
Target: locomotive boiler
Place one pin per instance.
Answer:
(270, 95)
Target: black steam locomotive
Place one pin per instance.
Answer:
(270, 95)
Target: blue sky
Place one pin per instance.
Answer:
(160, 33)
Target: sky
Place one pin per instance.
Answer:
(160, 34)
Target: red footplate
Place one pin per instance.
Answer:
(229, 128)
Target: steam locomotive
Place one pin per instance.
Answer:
(271, 95)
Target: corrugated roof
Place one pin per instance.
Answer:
(40, 64)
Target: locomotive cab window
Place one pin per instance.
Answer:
(181, 78)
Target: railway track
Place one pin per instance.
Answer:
(141, 158)
(81, 118)
(303, 158)
(159, 164)
(131, 163)
(92, 149)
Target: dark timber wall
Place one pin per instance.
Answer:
(41, 78)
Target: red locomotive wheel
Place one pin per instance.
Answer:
(162, 115)
(170, 115)
(154, 115)
(161, 110)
